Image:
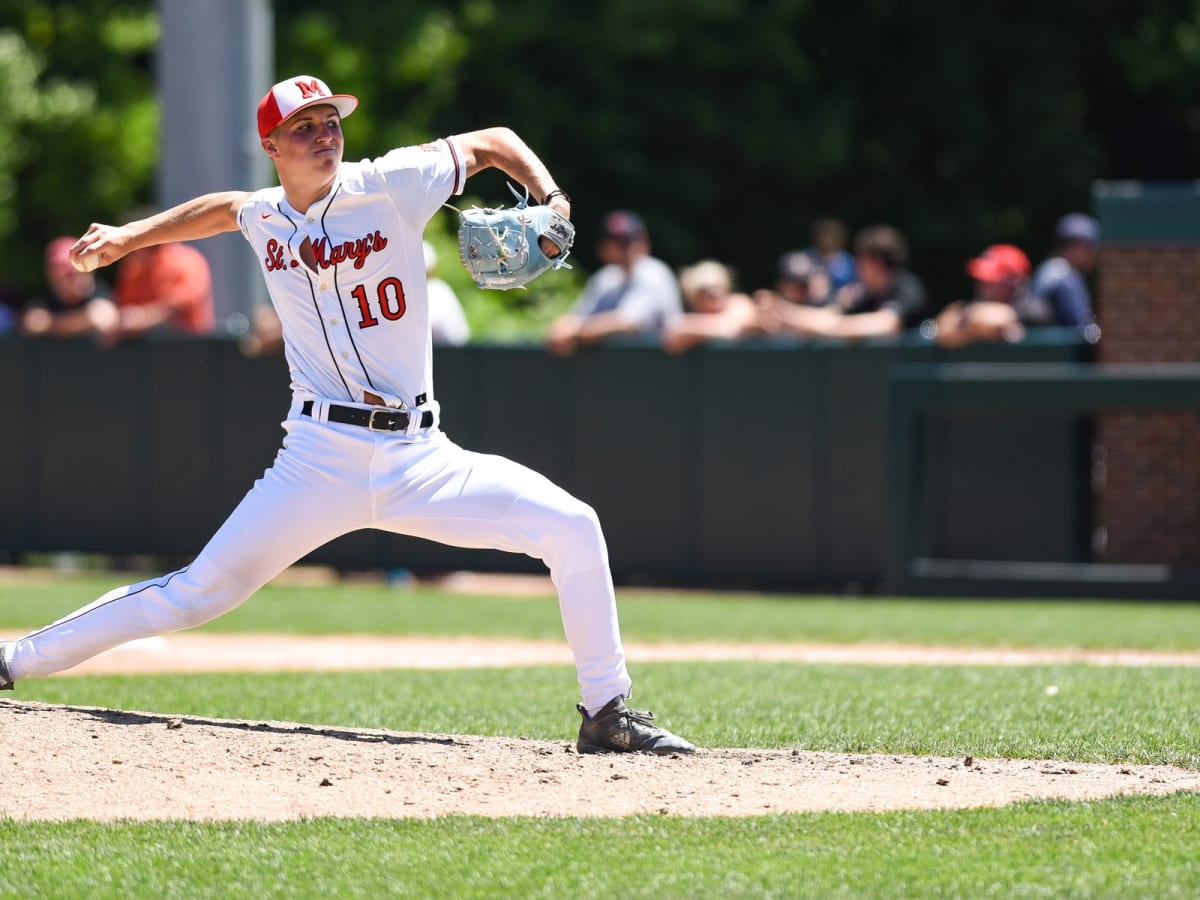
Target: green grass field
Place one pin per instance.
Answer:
(1126, 847)
(661, 616)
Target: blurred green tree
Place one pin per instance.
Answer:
(78, 122)
(729, 124)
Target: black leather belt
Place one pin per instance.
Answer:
(381, 418)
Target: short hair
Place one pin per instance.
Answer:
(829, 234)
(884, 243)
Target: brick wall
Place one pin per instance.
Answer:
(1148, 464)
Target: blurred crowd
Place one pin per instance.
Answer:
(160, 289)
(837, 288)
(834, 289)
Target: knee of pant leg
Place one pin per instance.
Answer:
(577, 541)
(205, 591)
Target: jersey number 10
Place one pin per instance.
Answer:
(390, 296)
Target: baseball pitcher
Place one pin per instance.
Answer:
(340, 248)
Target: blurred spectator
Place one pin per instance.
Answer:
(886, 299)
(447, 321)
(165, 289)
(632, 293)
(829, 249)
(1002, 305)
(799, 280)
(8, 316)
(75, 303)
(1061, 281)
(714, 311)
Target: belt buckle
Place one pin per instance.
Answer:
(387, 426)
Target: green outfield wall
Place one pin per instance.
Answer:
(753, 464)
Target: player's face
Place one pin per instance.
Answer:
(309, 140)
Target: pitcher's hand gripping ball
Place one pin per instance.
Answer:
(502, 248)
(85, 262)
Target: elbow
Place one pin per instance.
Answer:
(493, 145)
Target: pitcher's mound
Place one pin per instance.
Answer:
(67, 762)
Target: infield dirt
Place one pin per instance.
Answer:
(66, 762)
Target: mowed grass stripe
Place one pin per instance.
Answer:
(661, 617)
(1123, 847)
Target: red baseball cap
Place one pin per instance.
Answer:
(999, 262)
(294, 94)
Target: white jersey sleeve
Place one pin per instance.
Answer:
(420, 179)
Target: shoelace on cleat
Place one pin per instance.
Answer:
(644, 717)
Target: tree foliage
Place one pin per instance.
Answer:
(729, 124)
(78, 121)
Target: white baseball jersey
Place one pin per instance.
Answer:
(360, 321)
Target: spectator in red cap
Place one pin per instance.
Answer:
(1002, 306)
(632, 293)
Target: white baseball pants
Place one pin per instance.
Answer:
(330, 479)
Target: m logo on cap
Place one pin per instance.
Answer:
(310, 90)
(289, 97)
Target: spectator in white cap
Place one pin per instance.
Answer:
(1061, 281)
(715, 311)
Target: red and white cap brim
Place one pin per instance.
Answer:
(290, 96)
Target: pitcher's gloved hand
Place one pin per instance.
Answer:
(508, 248)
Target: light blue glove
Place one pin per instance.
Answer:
(501, 249)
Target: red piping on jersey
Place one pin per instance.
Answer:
(457, 167)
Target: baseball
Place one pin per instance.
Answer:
(86, 262)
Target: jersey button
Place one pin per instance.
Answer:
(310, 220)
(345, 354)
(333, 321)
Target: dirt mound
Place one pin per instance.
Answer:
(65, 762)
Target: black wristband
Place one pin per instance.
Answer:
(555, 193)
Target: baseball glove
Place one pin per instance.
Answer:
(501, 247)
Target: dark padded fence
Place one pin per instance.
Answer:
(762, 463)
(1027, 556)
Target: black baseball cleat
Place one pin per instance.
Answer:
(6, 682)
(618, 729)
